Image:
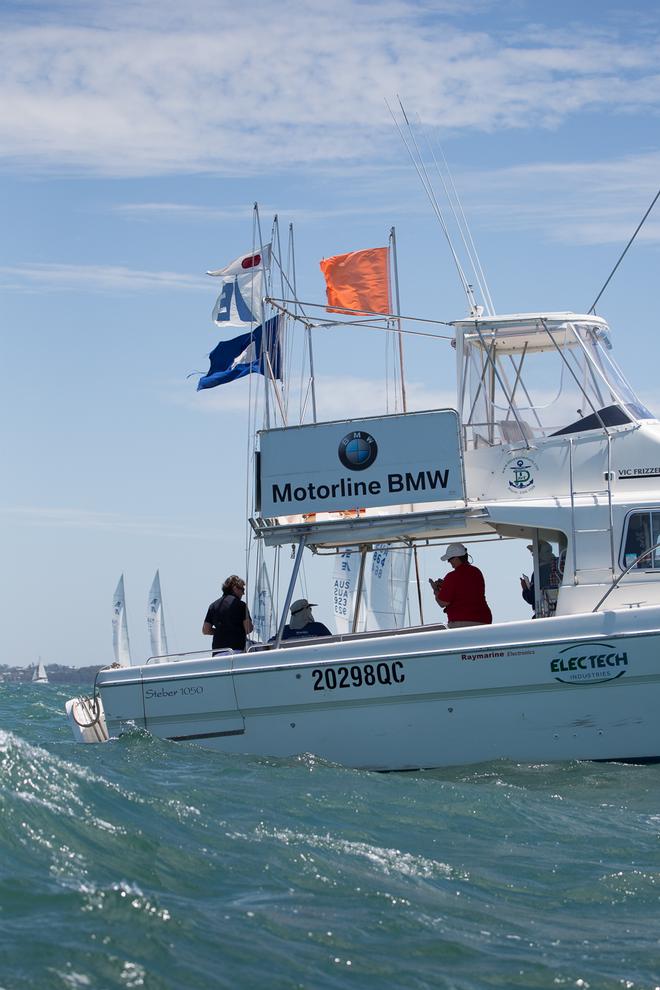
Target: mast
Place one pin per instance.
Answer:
(396, 309)
(308, 329)
(262, 309)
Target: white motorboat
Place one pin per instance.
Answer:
(547, 444)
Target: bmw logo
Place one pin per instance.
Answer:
(358, 450)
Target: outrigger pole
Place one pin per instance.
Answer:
(625, 251)
(416, 158)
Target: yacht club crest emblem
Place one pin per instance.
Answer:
(521, 474)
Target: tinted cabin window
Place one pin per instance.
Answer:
(609, 416)
(642, 532)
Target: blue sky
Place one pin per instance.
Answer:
(134, 139)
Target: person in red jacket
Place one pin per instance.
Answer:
(462, 593)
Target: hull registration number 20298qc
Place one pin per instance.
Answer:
(368, 675)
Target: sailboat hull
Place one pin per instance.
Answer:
(575, 687)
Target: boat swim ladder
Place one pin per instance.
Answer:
(577, 531)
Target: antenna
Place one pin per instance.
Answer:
(625, 251)
(415, 155)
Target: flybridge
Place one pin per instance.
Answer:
(421, 481)
(366, 463)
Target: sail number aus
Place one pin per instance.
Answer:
(356, 676)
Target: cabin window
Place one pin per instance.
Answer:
(642, 531)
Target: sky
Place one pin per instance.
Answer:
(135, 139)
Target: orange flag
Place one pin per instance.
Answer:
(359, 280)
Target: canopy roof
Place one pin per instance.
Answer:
(526, 331)
(403, 528)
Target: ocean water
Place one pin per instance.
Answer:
(161, 865)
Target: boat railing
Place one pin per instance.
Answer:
(345, 637)
(302, 641)
(176, 657)
(630, 567)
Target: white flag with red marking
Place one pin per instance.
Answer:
(240, 301)
(252, 262)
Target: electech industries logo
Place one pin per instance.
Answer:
(582, 663)
(357, 450)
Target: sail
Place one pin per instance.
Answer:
(40, 676)
(156, 620)
(385, 607)
(120, 644)
(262, 606)
(344, 588)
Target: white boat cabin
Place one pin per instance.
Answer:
(548, 442)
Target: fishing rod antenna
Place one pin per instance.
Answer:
(624, 252)
(412, 147)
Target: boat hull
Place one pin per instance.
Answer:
(576, 687)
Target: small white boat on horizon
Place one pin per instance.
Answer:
(39, 675)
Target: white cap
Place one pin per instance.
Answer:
(301, 613)
(454, 550)
(300, 605)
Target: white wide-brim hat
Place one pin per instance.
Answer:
(454, 550)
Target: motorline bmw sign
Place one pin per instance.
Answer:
(359, 464)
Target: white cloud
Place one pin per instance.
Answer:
(337, 398)
(145, 88)
(576, 202)
(194, 211)
(95, 278)
(48, 516)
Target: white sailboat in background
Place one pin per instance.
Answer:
(40, 676)
(156, 620)
(262, 609)
(388, 588)
(380, 602)
(120, 644)
(345, 581)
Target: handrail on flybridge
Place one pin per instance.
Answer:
(623, 574)
(174, 657)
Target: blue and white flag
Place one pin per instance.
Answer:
(236, 358)
(239, 302)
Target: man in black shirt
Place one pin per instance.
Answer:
(228, 619)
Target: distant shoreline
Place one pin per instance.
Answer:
(57, 674)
